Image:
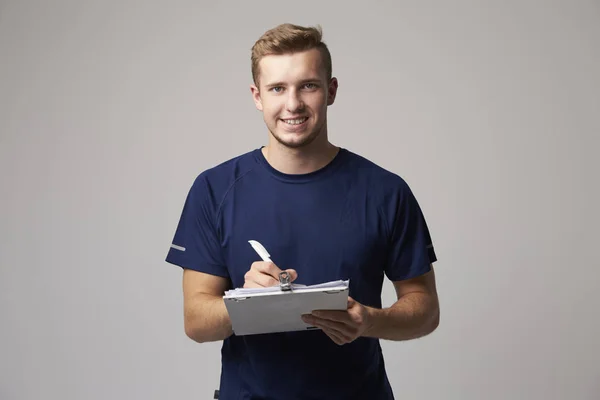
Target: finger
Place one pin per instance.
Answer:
(250, 283)
(273, 270)
(334, 336)
(292, 273)
(265, 280)
(269, 268)
(351, 302)
(341, 329)
(339, 337)
(257, 279)
(333, 315)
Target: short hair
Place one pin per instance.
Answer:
(289, 38)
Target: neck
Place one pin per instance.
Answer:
(304, 160)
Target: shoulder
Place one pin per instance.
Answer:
(377, 179)
(389, 191)
(214, 183)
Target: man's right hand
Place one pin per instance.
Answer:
(264, 274)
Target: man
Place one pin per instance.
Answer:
(324, 213)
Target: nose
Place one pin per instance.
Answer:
(294, 102)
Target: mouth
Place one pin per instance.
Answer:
(295, 121)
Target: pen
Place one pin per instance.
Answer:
(284, 276)
(260, 249)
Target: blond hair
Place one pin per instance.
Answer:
(289, 38)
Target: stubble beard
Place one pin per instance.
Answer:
(307, 140)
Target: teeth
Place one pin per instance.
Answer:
(295, 121)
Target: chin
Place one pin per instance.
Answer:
(295, 140)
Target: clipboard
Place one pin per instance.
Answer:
(280, 308)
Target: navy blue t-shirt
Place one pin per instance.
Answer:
(351, 220)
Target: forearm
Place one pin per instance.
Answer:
(414, 315)
(207, 319)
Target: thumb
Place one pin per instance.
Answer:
(351, 302)
(293, 274)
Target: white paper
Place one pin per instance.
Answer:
(295, 287)
(270, 310)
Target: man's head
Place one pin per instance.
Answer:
(293, 84)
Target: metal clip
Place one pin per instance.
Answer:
(284, 281)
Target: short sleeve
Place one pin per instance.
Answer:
(411, 250)
(195, 244)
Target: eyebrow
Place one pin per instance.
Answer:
(311, 80)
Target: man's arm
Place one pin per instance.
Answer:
(415, 314)
(205, 316)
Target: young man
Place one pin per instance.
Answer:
(324, 213)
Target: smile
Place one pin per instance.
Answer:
(295, 121)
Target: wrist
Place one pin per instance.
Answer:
(373, 320)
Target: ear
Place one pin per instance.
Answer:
(332, 91)
(256, 97)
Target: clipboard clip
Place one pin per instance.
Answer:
(284, 281)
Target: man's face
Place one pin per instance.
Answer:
(293, 96)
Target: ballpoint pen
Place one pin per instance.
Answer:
(284, 276)
(260, 249)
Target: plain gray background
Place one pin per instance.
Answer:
(109, 110)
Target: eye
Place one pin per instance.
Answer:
(310, 86)
(276, 89)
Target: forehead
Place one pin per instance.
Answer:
(291, 67)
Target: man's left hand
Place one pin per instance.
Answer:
(341, 326)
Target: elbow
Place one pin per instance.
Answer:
(435, 321)
(194, 333)
(432, 323)
(203, 333)
(427, 326)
